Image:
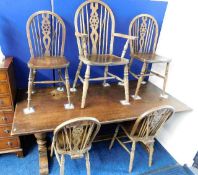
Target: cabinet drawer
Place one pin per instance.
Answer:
(4, 88)
(3, 75)
(5, 101)
(6, 117)
(5, 131)
(9, 143)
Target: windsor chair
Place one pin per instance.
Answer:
(46, 35)
(143, 130)
(145, 27)
(95, 32)
(74, 138)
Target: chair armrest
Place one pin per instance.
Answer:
(120, 35)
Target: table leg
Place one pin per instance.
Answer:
(43, 160)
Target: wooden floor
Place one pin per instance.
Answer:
(102, 103)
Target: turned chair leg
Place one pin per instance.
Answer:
(131, 62)
(87, 163)
(140, 80)
(85, 86)
(114, 137)
(126, 83)
(33, 78)
(165, 79)
(105, 76)
(67, 85)
(145, 72)
(60, 79)
(62, 164)
(30, 84)
(132, 155)
(77, 75)
(151, 150)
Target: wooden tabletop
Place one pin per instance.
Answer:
(102, 103)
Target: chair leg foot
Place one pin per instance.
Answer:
(106, 85)
(136, 97)
(165, 96)
(143, 82)
(69, 106)
(124, 102)
(29, 110)
(73, 90)
(121, 83)
(60, 89)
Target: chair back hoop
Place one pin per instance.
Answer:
(46, 33)
(145, 27)
(95, 18)
(74, 137)
(151, 121)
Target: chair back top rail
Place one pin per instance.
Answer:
(147, 125)
(46, 33)
(145, 27)
(95, 18)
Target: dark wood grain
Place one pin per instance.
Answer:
(102, 103)
(8, 144)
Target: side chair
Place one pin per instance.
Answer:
(46, 33)
(144, 130)
(95, 32)
(145, 27)
(74, 138)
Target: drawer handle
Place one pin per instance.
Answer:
(9, 143)
(1, 102)
(7, 131)
(4, 118)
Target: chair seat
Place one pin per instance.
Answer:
(151, 58)
(48, 62)
(103, 60)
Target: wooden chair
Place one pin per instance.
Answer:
(46, 35)
(95, 32)
(145, 27)
(144, 130)
(74, 138)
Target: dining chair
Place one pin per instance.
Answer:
(46, 33)
(74, 138)
(145, 27)
(144, 130)
(95, 32)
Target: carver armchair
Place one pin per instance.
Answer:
(95, 33)
(74, 138)
(145, 27)
(46, 35)
(143, 130)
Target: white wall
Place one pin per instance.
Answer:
(179, 41)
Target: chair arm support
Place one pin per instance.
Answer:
(128, 37)
(82, 46)
(120, 35)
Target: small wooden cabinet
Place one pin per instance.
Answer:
(8, 143)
